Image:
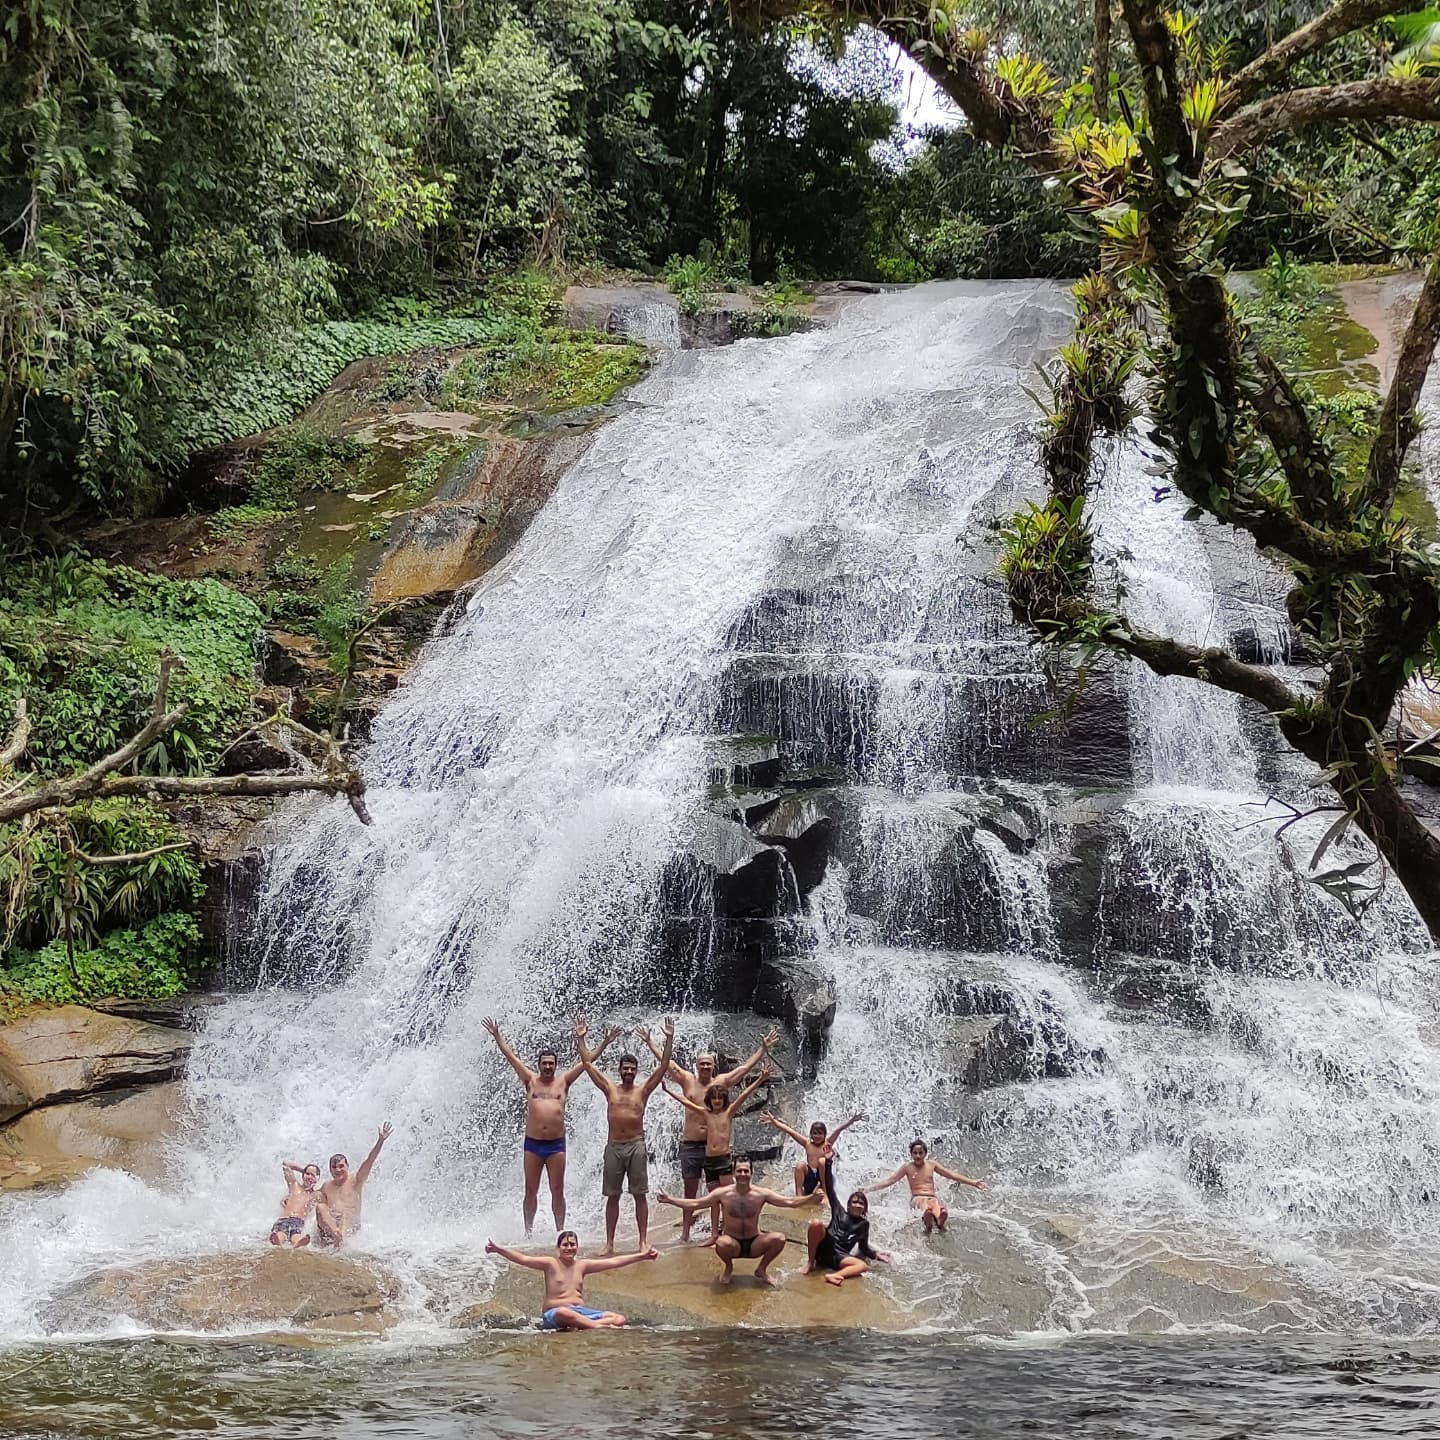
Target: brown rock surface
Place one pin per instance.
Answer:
(215, 1292)
(69, 1052)
(123, 1129)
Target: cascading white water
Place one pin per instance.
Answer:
(795, 537)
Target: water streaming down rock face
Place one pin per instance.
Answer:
(1200, 1091)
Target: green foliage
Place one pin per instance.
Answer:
(693, 279)
(82, 641)
(552, 369)
(1047, 560)
(49, 890)
(340, 612)
(152, 960)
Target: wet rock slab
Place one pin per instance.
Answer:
(70, 1052)
(223, 1292)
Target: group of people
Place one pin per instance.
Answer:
(840, 1247)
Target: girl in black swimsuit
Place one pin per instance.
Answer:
(833, 1246)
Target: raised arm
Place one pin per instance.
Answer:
(675, 1068)
(576, 1071)
(515, 1257)
(619, 1262)
(840, 1129)
(292, 1172)
(959, 1179)
(517, 1064)
(688, 1104)
(732, 1077)
(657, 1076)
(751, 1088)
(768, 1119)
(368, 1163)
(886, 1184)
(587, 1060)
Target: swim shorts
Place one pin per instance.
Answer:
(544, 1148)
(692, 1159)
(288, 1225)
(717, 1167)
(812, 1181)
(745, 1243)
(626, 1159)
(548, 1319)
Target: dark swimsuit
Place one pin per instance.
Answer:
(812, 1181)
(744, 1245)
(844, 1235)
(288, 1225)
(544, 1149)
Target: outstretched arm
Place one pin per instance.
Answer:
(663, 1065)
(768, 1119)
(750, 1089)
(731, 1077)
(517, 1064)
(791, 1202)
(530, 1262)
(959, 1179)
(700, 1202)
(688, 1104)
(587, 1060)
(676, 1069)
(619, 1262)
(292, 1172)
(575, 1071)
(368, 1163)
(841, 1128)
(886, 1184)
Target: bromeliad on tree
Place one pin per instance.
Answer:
(1151, 145)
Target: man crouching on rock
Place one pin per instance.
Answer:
(337, 1216)
(565, 1273)
(740, 1205)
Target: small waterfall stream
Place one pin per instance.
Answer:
(1201, 1093)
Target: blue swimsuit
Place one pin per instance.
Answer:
(548, 1319)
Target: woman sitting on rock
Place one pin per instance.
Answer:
(843, 1246)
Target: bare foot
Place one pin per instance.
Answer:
(607, 1252)
(807, 1267)
(302, 1242)
(727, 1276)
(708, 1244)
(765, 1278)
(834, 1280)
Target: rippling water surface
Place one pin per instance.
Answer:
(740, 1383)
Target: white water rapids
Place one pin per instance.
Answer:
(818, 511)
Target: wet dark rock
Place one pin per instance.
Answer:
(257, 753)
(798, 991)
(1154, 988)
(1206, 1160)
(744, 761)
(1015, 831)
(179, 1012)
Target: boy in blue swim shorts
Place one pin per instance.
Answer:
(565, 1273)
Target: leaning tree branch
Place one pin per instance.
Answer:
(1383, 99)
(1306, 460)
(1265, 70)
(135, 857)
(1203, 662)
(333, 776)
(1399, 421)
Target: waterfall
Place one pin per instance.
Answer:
(759, 622)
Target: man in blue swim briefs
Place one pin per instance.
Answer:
(546, 1093)
(565, 1273)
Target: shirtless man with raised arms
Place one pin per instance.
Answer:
(921, 1171)
(740, 1206)
(565, 1272)
(693, 1088)
(337, 1211)
(545, 1094)
(625, 1153)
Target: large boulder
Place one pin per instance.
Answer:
(798, 991)
(219, 1292)
(119, 1129)
(70, 1052)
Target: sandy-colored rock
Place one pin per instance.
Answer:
(217, 1292)
(69, 1052)
(119, 1129)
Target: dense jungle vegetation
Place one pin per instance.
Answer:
(207, 211)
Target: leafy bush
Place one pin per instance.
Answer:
(46, 891)
(82, 641)
(153, 960)
(955, 248)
